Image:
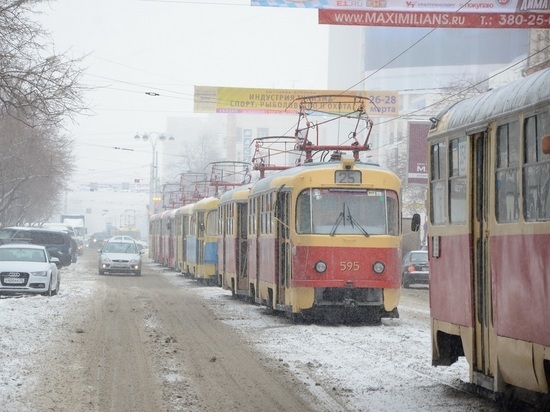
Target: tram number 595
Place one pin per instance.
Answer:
(349, 266)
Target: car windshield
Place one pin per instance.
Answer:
(6, 233)
(120, 248)
(419, 257)
(22, 255)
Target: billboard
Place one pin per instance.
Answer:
(485, 14)
(283, 101)
(417, 171)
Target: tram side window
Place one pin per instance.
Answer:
(229, 216)
(252, 216)
(211, 223)
(223, 226)
(304, 223)
(393, 213)
(536, 176)
(266, 214)
(438, 163)
(506, 176)
(193, 225)
(457, 180)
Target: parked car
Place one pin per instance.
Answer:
(26, 268)
(415, 268)
(120, 256)
(59, 244)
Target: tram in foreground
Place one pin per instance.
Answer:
(324, 241)
(488, 237)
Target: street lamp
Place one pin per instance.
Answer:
(153, 138)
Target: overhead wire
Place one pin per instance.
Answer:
(189, 96)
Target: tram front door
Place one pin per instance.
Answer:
(483, 330)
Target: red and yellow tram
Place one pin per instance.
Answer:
(233, 240)
(155, 226)
(488, 236)
(324, 241)
(182, 221)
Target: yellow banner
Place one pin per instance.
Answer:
(284, 101)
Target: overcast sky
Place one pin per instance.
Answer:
(131, 47)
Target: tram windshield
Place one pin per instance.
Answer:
(347, 212)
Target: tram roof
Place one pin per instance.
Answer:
(273, 179)
(185, 209)
(521, 94)
(207, 203)
(237, 193)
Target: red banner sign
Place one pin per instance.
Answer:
(435, 19)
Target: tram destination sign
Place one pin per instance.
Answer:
(488, 14)
(347, 176)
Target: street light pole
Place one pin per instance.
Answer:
(153, 138)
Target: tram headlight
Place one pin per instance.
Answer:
(378, 267)
(320, 267)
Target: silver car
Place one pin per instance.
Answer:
(26, 268)
(120, 256)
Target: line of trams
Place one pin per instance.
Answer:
(316, 240)
(323, 239)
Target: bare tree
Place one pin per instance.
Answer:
(35, 87)
(34, 165)
(457, 91)
(199, 153)
(413, 195)
(38, 91)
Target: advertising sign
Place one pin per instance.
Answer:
(489, 14)
(417, 171)
(283, 101)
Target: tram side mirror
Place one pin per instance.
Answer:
(415, 222)
(546, 144)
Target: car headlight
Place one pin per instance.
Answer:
(134, 262)
(40, 273)
(105, 260)
(378, 267)
(320, 267)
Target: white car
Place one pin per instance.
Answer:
(26, 268)
(120, 256)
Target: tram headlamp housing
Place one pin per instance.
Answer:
(378, 267)
(320, 267)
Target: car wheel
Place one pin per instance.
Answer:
(54, 291)
(49, 292)
(101, 272)
(138, 273)
(405, 283)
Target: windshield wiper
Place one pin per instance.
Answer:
(339, 219)
(355, 223)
